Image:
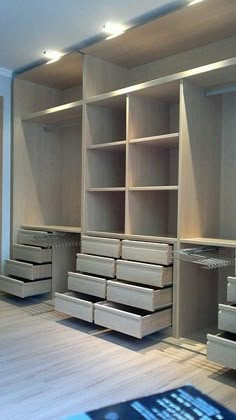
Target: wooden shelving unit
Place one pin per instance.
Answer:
(153, 156)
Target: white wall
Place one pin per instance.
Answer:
(5, 92)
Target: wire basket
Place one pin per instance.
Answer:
(207, 257)
(54, 239)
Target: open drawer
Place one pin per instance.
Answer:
(101, 266)
(76, 304)
(101, 246)
(222, 349)
(24, 289)
(26, 270)
(146, 298)
(33, 254)
(150, 274)
(149, 252)
(87, 284)
(227, 318)
(134, 322)
(231, 289)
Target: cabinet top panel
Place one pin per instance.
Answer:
(63, 74)
(188, 27)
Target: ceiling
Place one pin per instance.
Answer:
(29, 27)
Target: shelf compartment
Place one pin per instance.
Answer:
(146, 298)
(32, 254)
(221, 349)
(106, 211)
(153, 213)
(106, 169)
(148, 274)
(57, 115)
(90, 285)
(227, 318)
(135, 322)
(101, 246)
(231, 289)
(148, 116)
(153, 166)
(105, 123)
(76, 304)
(23, 289)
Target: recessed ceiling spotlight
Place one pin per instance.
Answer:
(192, 2)
(113, 29)
(53, 55)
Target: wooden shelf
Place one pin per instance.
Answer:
(113, 146)
(155, 188)
(168, 238)
(229, 243)
(107, 189)
(57, 115)
(165, 140)
(53, 228)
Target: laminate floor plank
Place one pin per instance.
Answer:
(53, 366)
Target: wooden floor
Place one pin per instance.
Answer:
(52, 366)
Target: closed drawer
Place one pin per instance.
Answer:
(227, 318)
(89, 285)
(101, 246)
(26, 270)
(76, 304)
(231, 289)
(149, 252)
(30, 237)
(96, 265)
(24, 289)
(222, 349)
(32, 253)
(139, 297)
(131, 321)
(153, 275)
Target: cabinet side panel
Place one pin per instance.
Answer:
(200, 149)
(71, 175)
(228, 168)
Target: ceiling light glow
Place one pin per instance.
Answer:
(53, 55)
(192, 2)
(113, 29)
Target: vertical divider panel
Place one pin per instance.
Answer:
(127, 168)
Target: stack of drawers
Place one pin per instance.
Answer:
(95, 264)
(129, 275)
(29, 272)
(221, 348)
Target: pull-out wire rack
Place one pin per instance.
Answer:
(54, 239)
(206, 256)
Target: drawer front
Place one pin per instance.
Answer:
(89, 285)
(96, 265)
(24, 289)
(222, 349)
(227, 318)
(30, 237)
(101, 246)
(27, 271)
(76, 305)
(149, 252)
(123, 319)
(231, 289)
(139, 297)
(32, 254)
(150, 274)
